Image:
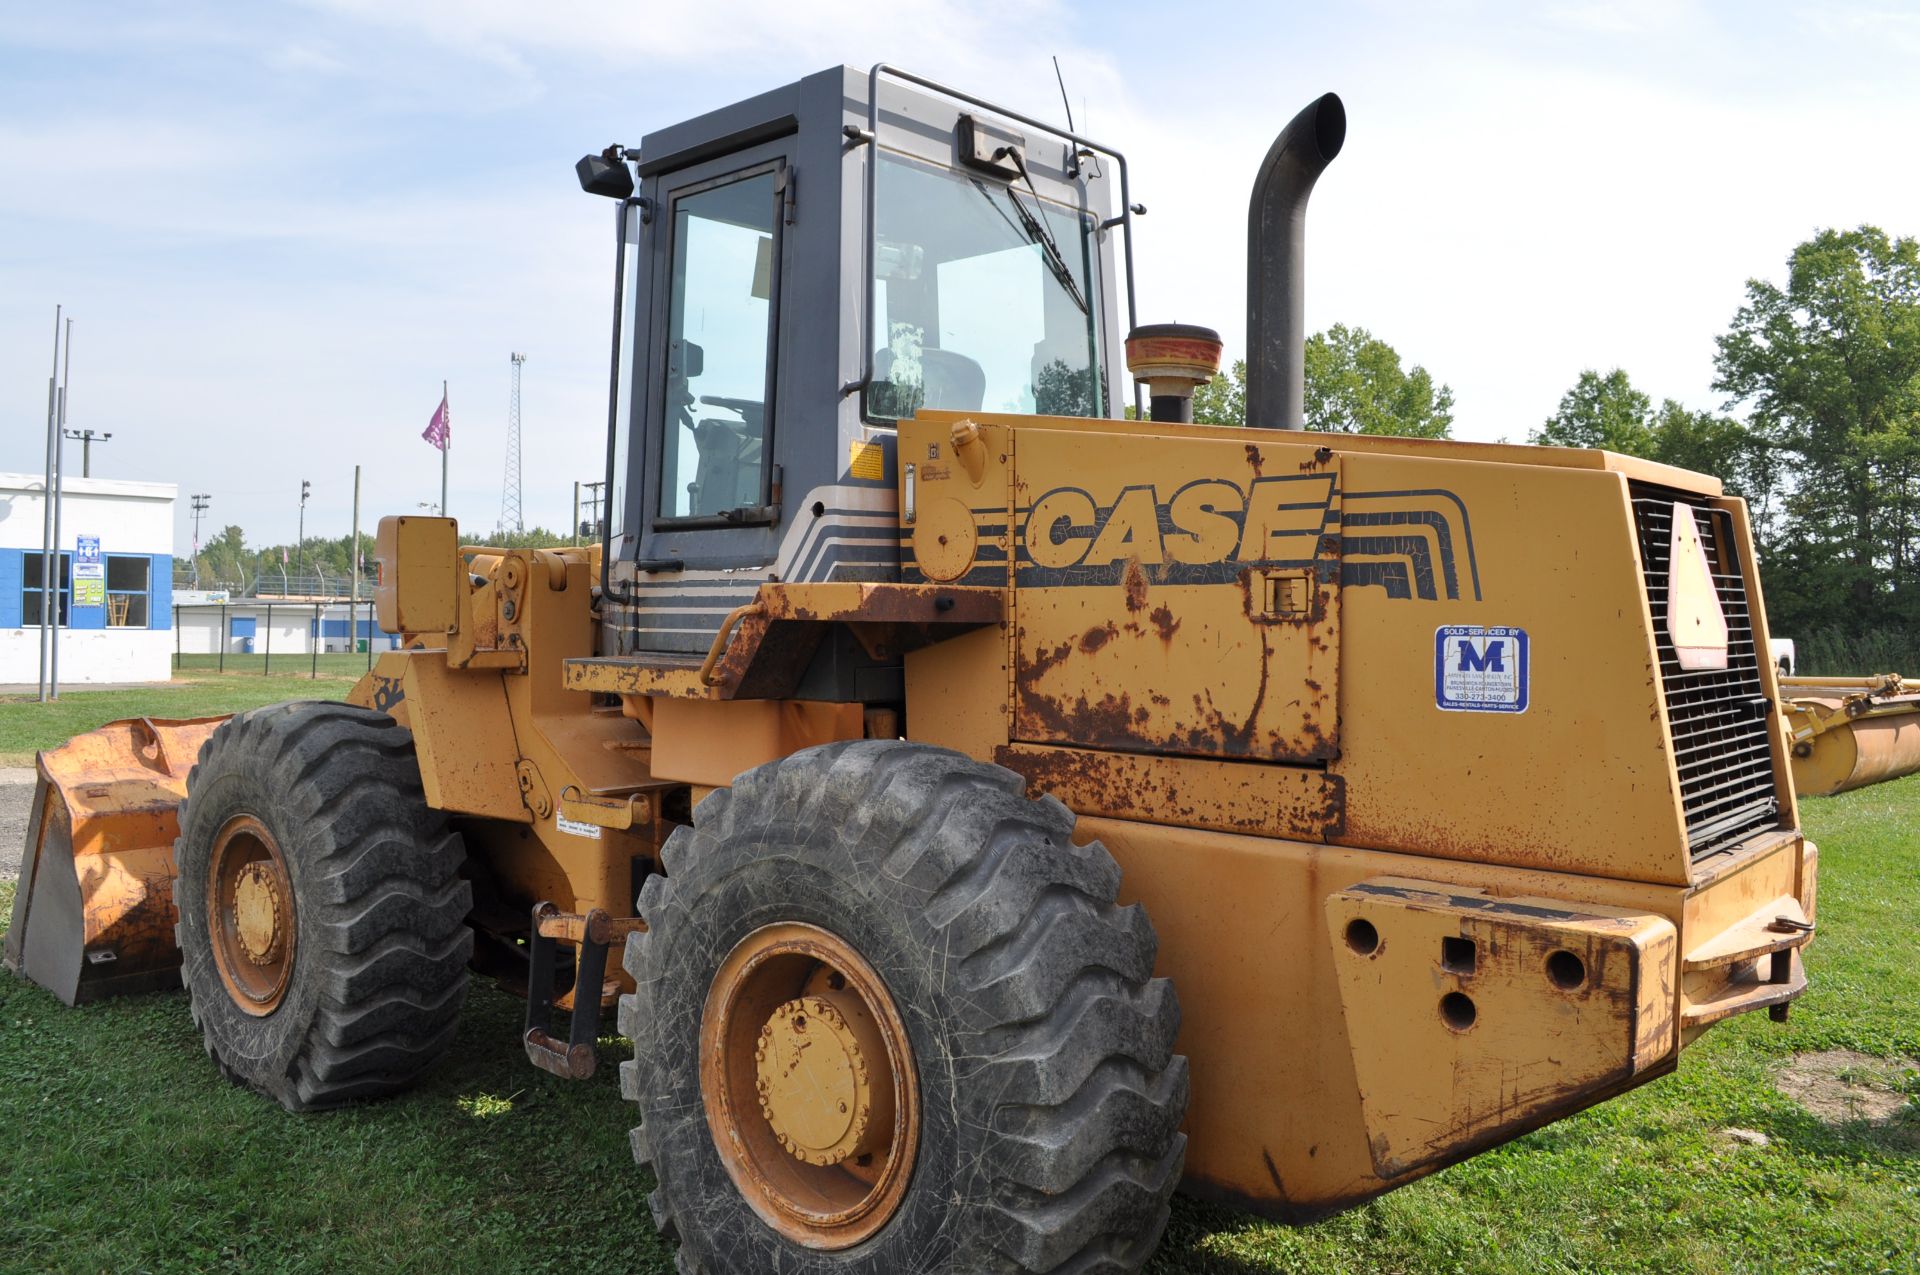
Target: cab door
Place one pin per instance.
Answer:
(708, 473)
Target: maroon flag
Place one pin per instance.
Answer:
(439, 429)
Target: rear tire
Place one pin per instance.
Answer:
(1049, 1094)
(322, 917)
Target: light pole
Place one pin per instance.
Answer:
(306, 489)
(595, 513)
(59, 487)
(201, 500)
(47, 542)
(86, 439)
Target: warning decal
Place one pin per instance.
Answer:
(575, 828)
(866, 460)
(1477, 669)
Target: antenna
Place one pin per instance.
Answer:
(1062, 81)
(510, 519)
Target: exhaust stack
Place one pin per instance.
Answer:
(1276, 262)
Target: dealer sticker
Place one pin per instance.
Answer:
(574, 828)
(1477, 669)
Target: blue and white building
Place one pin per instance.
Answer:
(111, 592)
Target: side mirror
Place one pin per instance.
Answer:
(693, 359)
(602, 176)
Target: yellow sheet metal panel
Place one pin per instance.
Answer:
(1177, 597)
(1473, 1017)
(1276, 1121)
(463, 736)
(957, 694)
(1444, 631)
(418, 588)
(1200, 593)
(1300, 802)
(1571, 771)
(383, 687)
(712, 741)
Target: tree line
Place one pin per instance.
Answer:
(1819, 431)
(227, 562)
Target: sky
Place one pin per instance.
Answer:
(279, 226)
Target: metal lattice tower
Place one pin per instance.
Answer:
(510, 519)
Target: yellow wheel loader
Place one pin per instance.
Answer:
(986, 810)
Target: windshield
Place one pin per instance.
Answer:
(984, 298)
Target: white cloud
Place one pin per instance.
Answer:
(296, 59)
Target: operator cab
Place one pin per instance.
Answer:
(796, 274)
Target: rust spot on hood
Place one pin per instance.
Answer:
(1135, 584)
(1164, 622)
(1095, 638)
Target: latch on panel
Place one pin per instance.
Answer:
(1288, 593)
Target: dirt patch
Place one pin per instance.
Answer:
(1841, 1086)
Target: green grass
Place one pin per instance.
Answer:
(27, 726)
(121, 1149)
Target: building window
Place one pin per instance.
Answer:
(128, 583)
(32, 591)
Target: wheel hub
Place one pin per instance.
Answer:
(250, 915)
(815, 1077)
(256, 913)
(809, 1085)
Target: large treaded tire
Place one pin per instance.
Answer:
(1050, 1092)
(379, 970)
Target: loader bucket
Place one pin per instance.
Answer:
(1848, 733)
(93, 915)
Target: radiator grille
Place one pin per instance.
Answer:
(1722, 735)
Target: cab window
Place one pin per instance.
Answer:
(720, 334)
(984, 297)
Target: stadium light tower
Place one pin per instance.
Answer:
(86, 438)
(201, 500)
(510, 518)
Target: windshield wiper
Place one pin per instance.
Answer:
(1038, 235)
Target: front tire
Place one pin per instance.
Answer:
(1038, 1054)
(322, 917)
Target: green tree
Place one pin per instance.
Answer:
(1602, 411)
(1355, 385)
(1829, 366)
(1722, 446)
(1608, 412)
(223, 559)
(531, 538)
(1223, 400)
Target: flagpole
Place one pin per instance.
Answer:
(445, 447)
